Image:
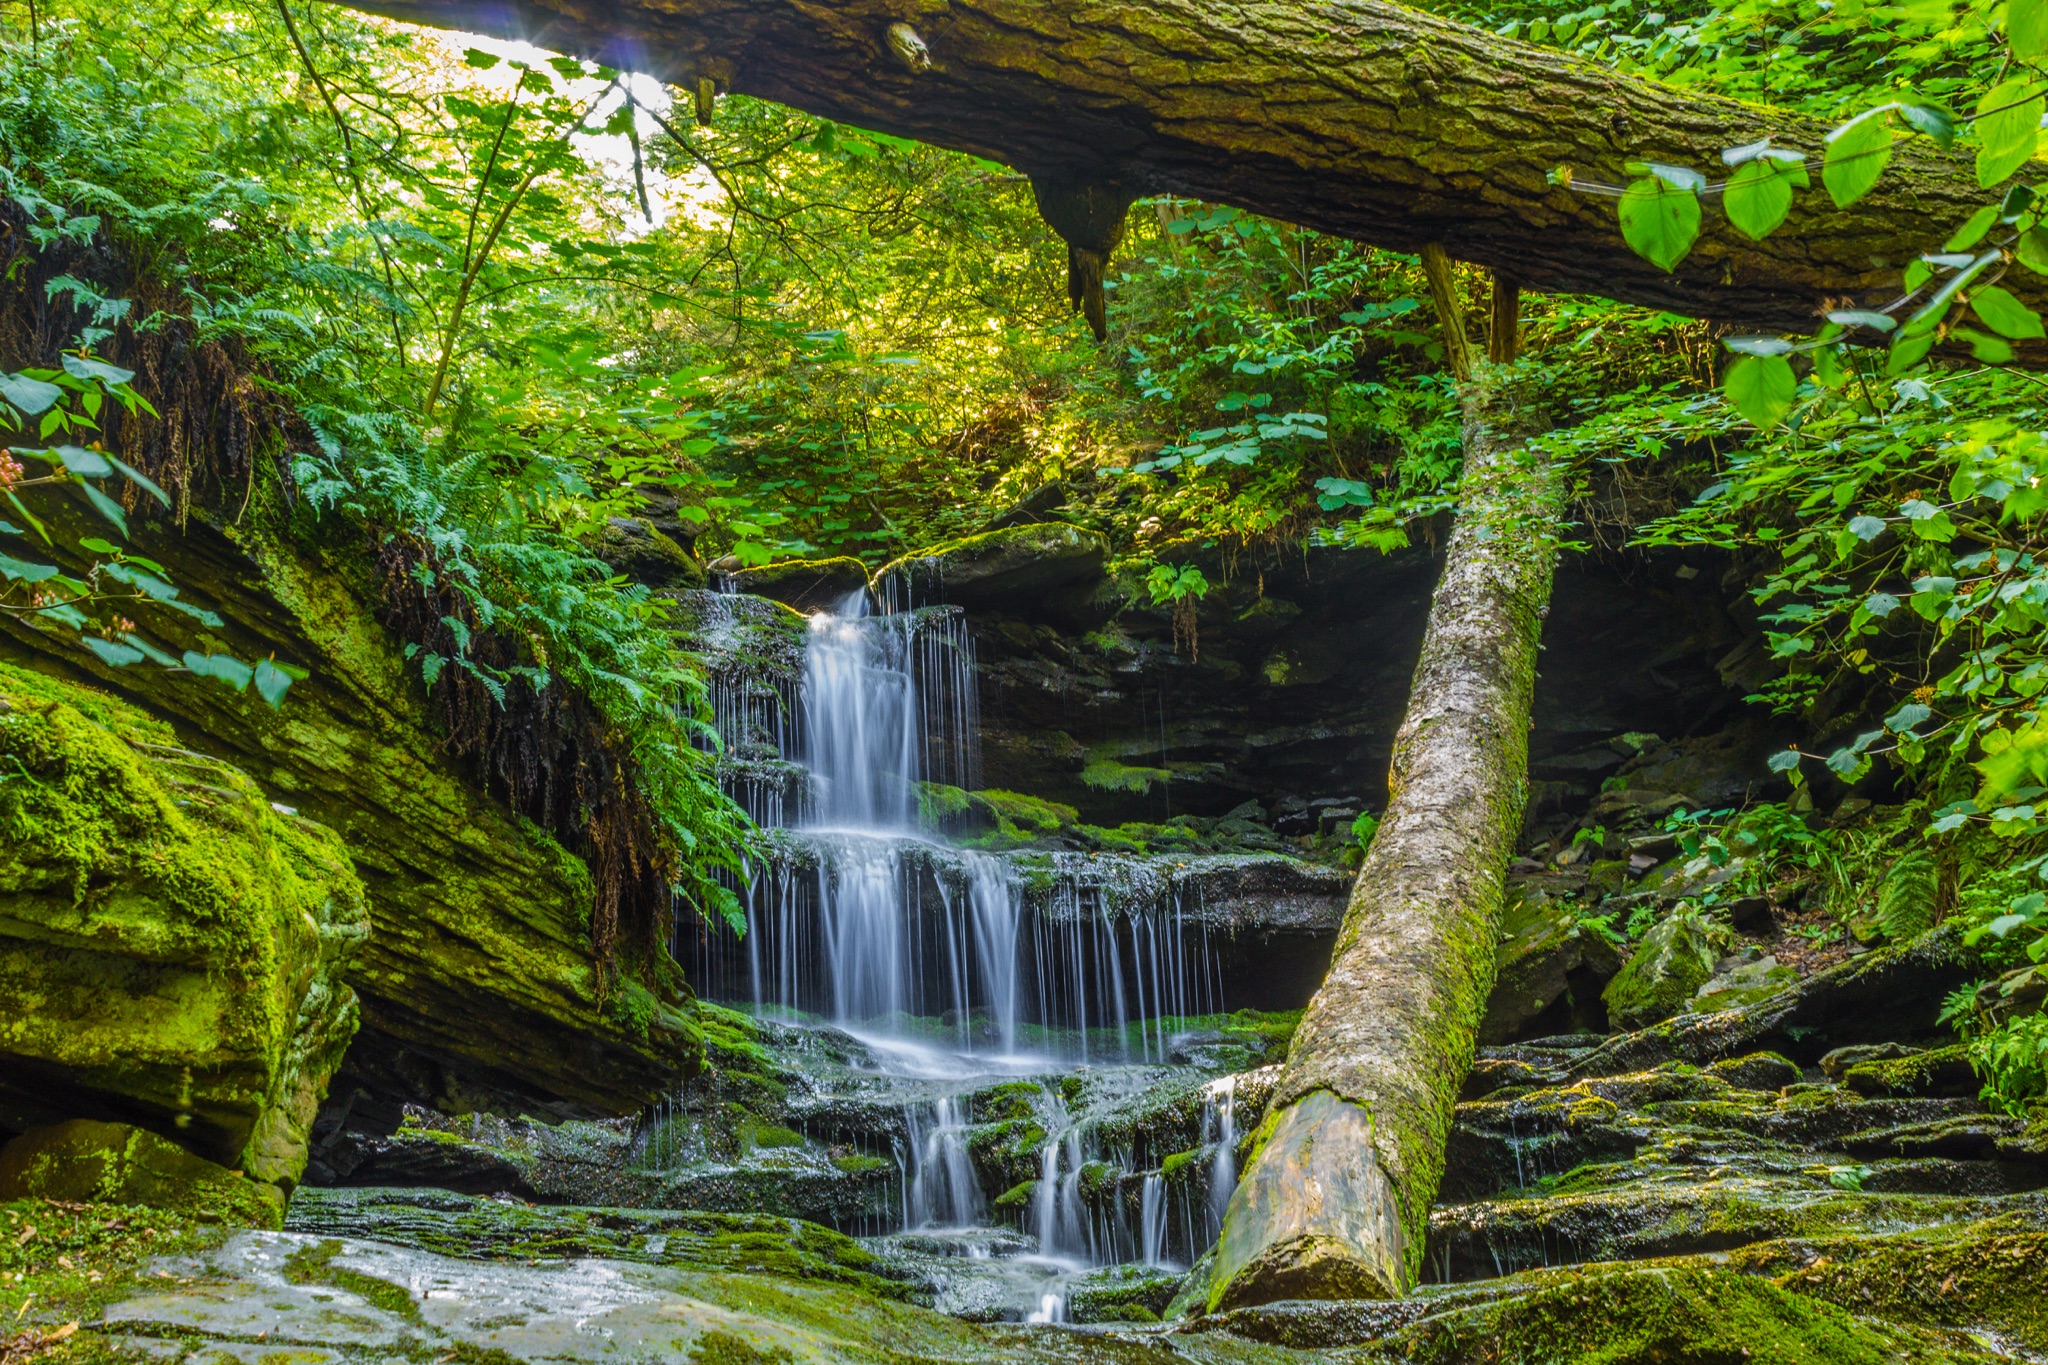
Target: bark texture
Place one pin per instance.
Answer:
(1354, 117)
(1335, 1201)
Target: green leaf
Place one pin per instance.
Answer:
(480, 59)
(87, 464)
(1784, 760)
(1972, 231)
(1659, 221)
(31, 396)
(1866, 528)
(112, 652)
(225, 667)
(2026, 28)
(79, 367)
(1857, 153)
(141, 480)
(1858, 317)
(98, 546)
(11, 567)
(2008, 126)
(1759, 194)
(2032, 250)
(2006, 315)
(1758, 345)
(1938, 124)
(107, 508)
(1907, 716)
(1762, 388)
(1988, 349)
(272, 682)
(1907, 352)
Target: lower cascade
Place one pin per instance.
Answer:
(1002, 1020)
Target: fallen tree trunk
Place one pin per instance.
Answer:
(1335, 1200)
(1354, 117)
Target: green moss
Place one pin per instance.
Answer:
(771, 1135)
(937, 803)
(855, 1163)
(723, 1348)
(1106, 774)
(1179, 1166)
(171, 940)
(313, 1263)
(1672, 1312)
(1010, 1100)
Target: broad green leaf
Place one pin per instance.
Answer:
(87, 464)
(107, 508)
(1762, 388)
(1972, 231)
(2006, 315)
(2026, 28)
(31, 396)
(140, 480)
(79, 367)
(225, 667)
(1659, 221)
(112, 652)
(2008, 126)
(1866, 528)
(1938, 124)
(2032, 250)
(1989, 349)
(11, 567)
(1907, 716)
(1880, 604)
(1857, 317)
(1907, 352)
(480, 59)
(1758, 345)
(1856, 155)
(1759, 194)
(272, 682)
(1784, 760)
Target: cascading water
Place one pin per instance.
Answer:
(926, 953)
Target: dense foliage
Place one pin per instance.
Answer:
(520, 298)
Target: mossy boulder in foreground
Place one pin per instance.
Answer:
(1676, 958)
(83, 1161)
(171, 943)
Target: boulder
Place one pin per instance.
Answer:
(1942, 1072)
(86, 1162)
(1674, 960)
(1007, 567)
(1883, 996)
(1738, 981)
(637, 548)
(171, 944)
(1546, 957)
(809, 585)
(477, 985)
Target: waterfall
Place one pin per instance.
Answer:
(943, 1188)
(1219, 1113)
(942, 961)
(1152, 1220)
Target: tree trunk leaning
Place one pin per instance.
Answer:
(1335, 1200)
(1359, 118)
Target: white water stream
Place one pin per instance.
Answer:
(925, 952)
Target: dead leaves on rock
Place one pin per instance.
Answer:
(26, 1346)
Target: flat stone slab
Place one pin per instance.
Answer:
(282, 1298)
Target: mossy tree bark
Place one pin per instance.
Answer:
(1335, 1201)
(1356, 117)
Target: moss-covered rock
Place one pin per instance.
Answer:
(1674, 960)
(1016, 563)
(171, 944)
(478, 986)
(1942, 1072)
(809, 585)
(1546, 956)
(87, 1162)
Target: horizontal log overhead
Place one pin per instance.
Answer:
(1354, 117)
